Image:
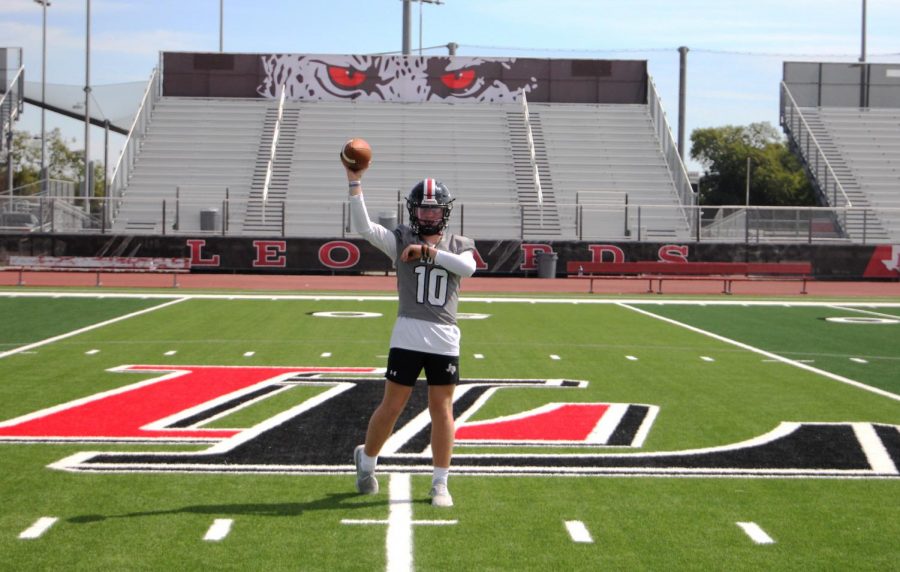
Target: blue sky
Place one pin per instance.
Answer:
(734, 66)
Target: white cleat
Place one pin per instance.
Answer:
(440, 496)
(366, 483)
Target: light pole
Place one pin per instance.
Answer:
(862, 56)
(682, 97)
(88, 191)
(43, 176)
(407, 23)
(863, 68)
(747, 195)
(221, 25)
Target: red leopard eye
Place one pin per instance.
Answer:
(345, 77)
(459, 80)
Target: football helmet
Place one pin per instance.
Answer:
(429, 204)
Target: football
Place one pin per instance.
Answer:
(356, 154)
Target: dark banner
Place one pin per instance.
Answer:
(452, 79)
(498, 258)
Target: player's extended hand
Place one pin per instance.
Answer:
(418, 252)
(354, 175)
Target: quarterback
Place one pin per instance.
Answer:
(430, 263)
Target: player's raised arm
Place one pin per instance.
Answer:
(356, 156)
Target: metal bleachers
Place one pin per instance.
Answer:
(599, 166)
(195, 152)
(611, 151)
(863, 146)
(465, 146)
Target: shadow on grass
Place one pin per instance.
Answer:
(333, 501)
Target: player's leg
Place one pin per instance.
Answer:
(381, 425)
(402, 371)
(382, 422)
(443, 375)
(440, 406)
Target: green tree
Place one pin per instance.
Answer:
(63, 162)
(776, 176)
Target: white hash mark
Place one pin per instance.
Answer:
(578, 532)
(37, 529)
(756, 534)
(219, 530)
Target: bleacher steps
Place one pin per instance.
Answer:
(265, 216)
(538, 220)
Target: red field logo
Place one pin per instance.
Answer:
(317, 435)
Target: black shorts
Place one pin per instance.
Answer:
(404, 367)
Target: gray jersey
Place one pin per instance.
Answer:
(429, 291)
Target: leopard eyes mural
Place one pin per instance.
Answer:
(393, 78)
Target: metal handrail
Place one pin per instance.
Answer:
(271, 164)
(674, 160)
(46, 187)
(678, 169)
(12, 83)
(14, 101)
(491, 220)
(529, 135)
(119, 178)
(811, 137)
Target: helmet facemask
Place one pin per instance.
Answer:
(429, 204)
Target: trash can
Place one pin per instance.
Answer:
(388, 219)
(209, 219)
(546, 263)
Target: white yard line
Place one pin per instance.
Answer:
(768, 354)
(507, 300)
(89, 328)
(399, 542)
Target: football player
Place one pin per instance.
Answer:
(430, 263)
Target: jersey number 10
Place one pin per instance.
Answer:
(431, 286)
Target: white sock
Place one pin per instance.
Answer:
(440, 476)
(367, 463)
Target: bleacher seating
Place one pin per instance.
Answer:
(204, 146)
(612, 150)
(465, 146)
(199, 148)
(863, 146)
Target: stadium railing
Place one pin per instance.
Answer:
(670, 150)
(799, 130)
(125, 163)
(185, 213)
(12, 103)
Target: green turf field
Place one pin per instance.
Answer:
(783, 415)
